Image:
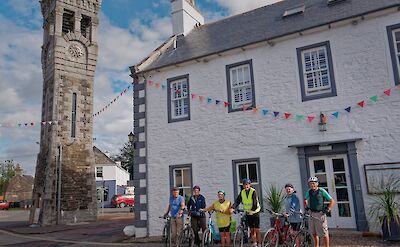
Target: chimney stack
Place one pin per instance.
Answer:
(185, 16)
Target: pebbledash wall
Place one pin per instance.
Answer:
(213, 138)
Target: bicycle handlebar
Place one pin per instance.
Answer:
(306, 215)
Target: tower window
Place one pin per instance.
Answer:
(85, 26)
(73, 116)
(68, 21)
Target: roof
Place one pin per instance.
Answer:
(259, 25)
(101, 158)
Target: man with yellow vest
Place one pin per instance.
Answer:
(223, 211)
(251, 205)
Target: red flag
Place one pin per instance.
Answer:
(388, 92)
(361, 103)
(287, 115)
(255, 109)
(157, 85)
(226, 104)
(178, 91)
(201, 98)
(193, 95)
(121, 93)
(124, 90)
(310, 118)
(150, 82)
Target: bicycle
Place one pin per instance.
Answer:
(304, 237)
(166, 235)
(277, 234)
(242, 233)
(186, 236)
(210, 237)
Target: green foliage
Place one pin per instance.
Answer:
(386, 204)
(125, 156)
(274, 199)
(7, 171)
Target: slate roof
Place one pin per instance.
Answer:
(262, 24)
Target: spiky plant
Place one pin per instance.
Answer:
(274, 198)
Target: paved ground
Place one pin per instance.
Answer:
(14, 231)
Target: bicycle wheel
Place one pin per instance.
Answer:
(303, 239)
(186, 238)
(165, 237)
(207, 239)
(271, 238)
(238, 237)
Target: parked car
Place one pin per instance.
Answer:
(4, 205)
(123, 200)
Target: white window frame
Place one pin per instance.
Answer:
(396, 50)
(99, 170)
(239, 180)
(173, 179)
(178, 99)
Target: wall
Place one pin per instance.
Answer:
(213, 137)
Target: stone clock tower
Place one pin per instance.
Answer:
(65, 189)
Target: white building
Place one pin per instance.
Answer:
(304, 59)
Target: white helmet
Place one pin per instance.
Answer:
(313, 179)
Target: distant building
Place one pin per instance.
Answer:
(20, 188)
(110, 177)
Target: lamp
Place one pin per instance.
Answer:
(131, 137)
(322, 122)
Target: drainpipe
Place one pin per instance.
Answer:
(59, 165)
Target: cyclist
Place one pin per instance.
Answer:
(175, 208)
(197, 202)
(223, 211)
(314, 201)
(248, 197)
(292, 205)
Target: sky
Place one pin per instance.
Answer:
(129, 30)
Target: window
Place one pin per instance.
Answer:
(316, 71)
(249, 168)
(394, 42)
(73, 116)
(68, 23)
(85, 26)
(294, 11)
(240, 85)
(99, 172)
(181, 177)
(178, 99)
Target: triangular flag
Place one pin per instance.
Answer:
(121, 94)
(361, 103)
(264, 112)
(348, 109)
(157, 85)
(276, 113)
(163, 87)
(226, 104)
(299, 117)
(32, 124)
(26, 124)
(125, 90)
(129, 86)
(201, 98)
(310, 118)
(43, 123)
(193, 95)
(287, 115)
(150, 82)
(388, 92)
(217, 102)
(336, 114)
(19, 125)
(255, 109)
(374, 98)
(209, 100)
(177, 91)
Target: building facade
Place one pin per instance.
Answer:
(20, 188)
(243, 97)
(65, 188)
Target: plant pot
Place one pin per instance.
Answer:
(392, 233)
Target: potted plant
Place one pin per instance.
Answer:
(385, 208)
(274, 200)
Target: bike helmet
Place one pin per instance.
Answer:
(246, 181)
(313, 179)
(196, 187)
(221, 191)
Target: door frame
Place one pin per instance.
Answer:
(348, 148)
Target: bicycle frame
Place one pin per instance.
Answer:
(166, 238)
(281, 233)
(242, 230)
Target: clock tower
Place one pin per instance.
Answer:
(64, 188)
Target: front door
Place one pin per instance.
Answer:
(333, 174)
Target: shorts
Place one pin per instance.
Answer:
(225, 229)
(318, 227)
(295, 226)
(253, 221)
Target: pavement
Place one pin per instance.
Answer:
(108, 231)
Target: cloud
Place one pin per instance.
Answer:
(240, 6)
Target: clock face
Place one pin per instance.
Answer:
(76, 51)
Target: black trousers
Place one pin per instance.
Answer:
(197, 224)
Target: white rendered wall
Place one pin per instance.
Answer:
(122, 176)
(184, 17)
(213, 137)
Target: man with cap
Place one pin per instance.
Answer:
(251, 205)
(292, 205)
(175, 208)
(195, 204)
(314, 201)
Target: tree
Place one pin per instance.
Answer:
(126, 156)
(7, 171)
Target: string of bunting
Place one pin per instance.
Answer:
(33, 124)
(283, 114)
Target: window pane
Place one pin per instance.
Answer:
(344, 209)
(178, 178)
(342, 194)
(241, 89)
(322, 180)
(253, 173)
(319, 166)
(338, 165)
(242, 172)
(340, 179)
(186, 178)
(316, 70)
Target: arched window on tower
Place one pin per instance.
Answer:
(86, 26)
(68, 21)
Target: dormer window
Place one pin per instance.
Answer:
(294, 11)
(332, 2)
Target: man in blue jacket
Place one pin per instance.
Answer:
(197, 202)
